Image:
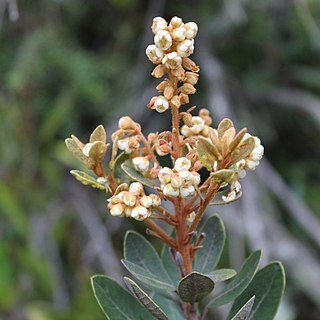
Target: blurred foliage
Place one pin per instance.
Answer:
(69, 65)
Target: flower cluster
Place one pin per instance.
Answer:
(133, 202)
(173, 44)
(179, 181)
(197, 125)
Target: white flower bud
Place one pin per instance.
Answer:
(230, 197)
(178, 34)
(154, 54)
(129, 199)
(172, 60)
(182, 163)
(161, 104)
(185, 48)
(185, 131)
(168, 190)
(140, 213)
(190, 217)
(187, 191)
(163, 40)
(196, 178)
(198, 125)
(176, 22)
(257, 153)
(141, 164)
(192, 30)
(123, 144)
(146, 201)
(86, 149)
(165, 175)
(176, 182)
(252, 165)
(117, 209)
(158, 24)
(126, 123)
(236, 186)
(136, 187)
(156, 201)
(186, 176)
(127, 212)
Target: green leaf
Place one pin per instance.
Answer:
(194, 287)
(223, 175)
(138, 252)
(244, 312)
(207, 152)
(223, 126)
(98, 134)
(144, 299)
(116, 166)
(239, 282)
(207, 258)
(128, 168)
(115, 302)
(97, 151)
(170, 266)
(243, 150)
(87, 180)
(151, 280)
(218, 201)
(267, 286)
(173, 311)
(237, 139)
(221, 275)
(76, 151)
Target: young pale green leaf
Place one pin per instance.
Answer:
(221, 275)
(151, 280)
(140, 252)
(244, 312)
(87, 180)
(194, 287)
(218, 201)
(115, 302)
(243, 150)
(239, 282)
(116, 166)
(267, 286)
(128, 168)
(223, 175)
(98, 134)
(173, 310)
(208, 257)
(237, 139)
(223, 126)
(76, 151)
(97, 151)
(170, 266)
(207, 152)
(144, 299)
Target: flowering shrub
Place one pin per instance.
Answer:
(206, 167)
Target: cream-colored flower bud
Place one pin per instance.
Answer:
(175, 101)
(257, 153)
(182, 163)
(161, 104)
(187, 191)
(154, 54)
(185, 131)
(140, 213)
(190, 217)
(146, 201)
(252, 165)
(185, 48)
(198, 125)
(158, 71)
(169, 191)
(163, 147)
(191, 77)
(141, 163)
(176, 182)
(168, 92)
(187, 63)
(191, 30)
(186, 177)
(86, 149)
(165, 175)
(126, 123)
(163, 40)
(178, 34)
(172, 60)
(117, 209)
(184, 98)
(175, 22)
(156, 201)
(162, 85)
(129, 199)
(187, 88)
(158, 24)
(230, 197)
(123, 144)
(136, 187)
(236, 186)
(196, 178)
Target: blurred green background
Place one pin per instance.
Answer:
(68, 65)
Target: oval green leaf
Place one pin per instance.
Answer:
(144, 299)
(173, 310)
(207, 258)
(244, 312)
(194, 287)
(239, 282)
(115, 302)
(207, 152)
(223, 126)
(267, 286)
(221, 275)
(98, 134)
(87, 180)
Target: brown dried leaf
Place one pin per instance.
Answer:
(224, 175)
(237, 139)
(223, 126)
(207, 152)
(243, 150)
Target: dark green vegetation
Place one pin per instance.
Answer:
(67, 66)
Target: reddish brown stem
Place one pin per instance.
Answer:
(162, 234)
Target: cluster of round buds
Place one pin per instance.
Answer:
(197, 125)
(179, 181)
(235, 189)
(133, 203)
(253, 160)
